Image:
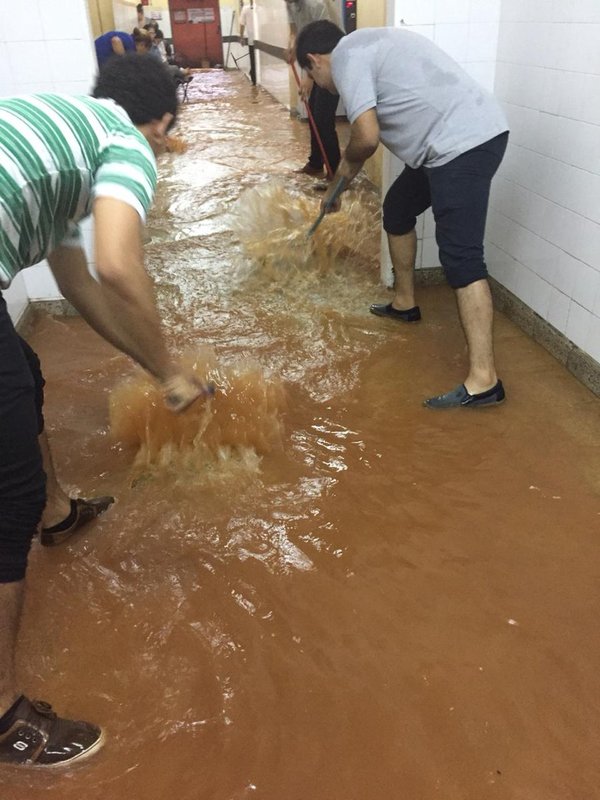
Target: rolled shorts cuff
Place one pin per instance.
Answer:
(397, 227)
(465, 275)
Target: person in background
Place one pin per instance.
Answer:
(151, 27)
(64, 158)
(322, 104)
(159, 43)
(247, 36)
(401, 89)
(143, 43)
(146, 41)
(111, 44)
(142, 19)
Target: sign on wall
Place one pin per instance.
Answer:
(201, 14)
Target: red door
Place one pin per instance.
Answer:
(196, 27)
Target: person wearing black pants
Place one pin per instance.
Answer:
(401, 90)
(322, 104)
(40, 207)
(22, 478)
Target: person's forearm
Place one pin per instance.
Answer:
(135, 319)
(291, 48)
(357, 152)
(348, 169)
(124, 315)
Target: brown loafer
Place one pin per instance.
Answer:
(308, 169)
(36, 736)
(82, 512)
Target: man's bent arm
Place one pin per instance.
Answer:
(121, 307)
(364, 140)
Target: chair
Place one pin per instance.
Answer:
(183, 84)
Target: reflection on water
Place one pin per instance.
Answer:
(317, 604)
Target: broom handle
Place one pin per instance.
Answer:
(313, 124)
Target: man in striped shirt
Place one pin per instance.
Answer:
(61, 159)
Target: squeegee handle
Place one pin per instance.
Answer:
(339, 187)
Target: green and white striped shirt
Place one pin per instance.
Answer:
(57, 154)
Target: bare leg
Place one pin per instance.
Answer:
(477, 315)
(58, 505)
(403, 252)
(11, 604)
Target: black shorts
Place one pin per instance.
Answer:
(22, 478)
(458, 193)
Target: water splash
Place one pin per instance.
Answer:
(242, 422)
(272, 223)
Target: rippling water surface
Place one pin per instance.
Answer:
(330, 593)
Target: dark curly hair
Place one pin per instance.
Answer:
(317, 37)
(140, 84)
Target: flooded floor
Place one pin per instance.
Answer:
(365, 600)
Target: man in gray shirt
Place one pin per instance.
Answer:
(322, 104)
(401, 89)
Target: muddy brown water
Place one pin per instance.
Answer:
(388, 603)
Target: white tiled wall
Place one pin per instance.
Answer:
(544, 226)
(44, 47)
(16, 298)
(542, 60)
(468, 31)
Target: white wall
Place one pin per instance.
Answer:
(125, 15)
(468, 31)
(44, 47)
(542, 60)
(544, 228)
(273, 29)
(16, 298)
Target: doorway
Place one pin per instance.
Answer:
(196, 26)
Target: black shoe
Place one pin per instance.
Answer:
(82, 512)
(409, 315)
(460, 397)
(36, 736)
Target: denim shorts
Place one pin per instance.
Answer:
(458, 193)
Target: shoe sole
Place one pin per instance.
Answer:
(466, 405)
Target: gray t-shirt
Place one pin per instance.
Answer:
(429, 109)
(301, 12)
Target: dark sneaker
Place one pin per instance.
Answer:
(460, 397)
(82, 512)
(308, 169)
(36, 736)
(409, 315)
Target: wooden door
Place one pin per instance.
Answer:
(196, 26)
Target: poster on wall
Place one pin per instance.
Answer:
(179, 16)
(201, 14)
